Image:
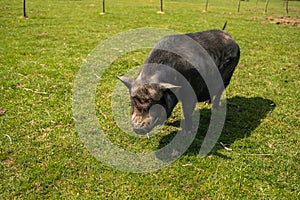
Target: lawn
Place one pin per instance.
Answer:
(42, 155)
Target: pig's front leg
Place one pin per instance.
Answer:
(188, 109)
(216, 101)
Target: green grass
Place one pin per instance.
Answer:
(40, 58)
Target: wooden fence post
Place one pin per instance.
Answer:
(266, 6)
(206, 5)
(161, 11)
(24, 9)
(103, 7)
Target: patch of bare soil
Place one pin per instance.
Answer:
(2, 111)
(284, 20)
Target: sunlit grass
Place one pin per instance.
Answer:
(40, 58)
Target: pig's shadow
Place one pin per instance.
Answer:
(243, 116)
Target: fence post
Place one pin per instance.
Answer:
(266, 6)
(24, 9)
(206, 5)
(161, 11)
(239, 5)
(103, 7)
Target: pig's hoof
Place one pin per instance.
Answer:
(175, 153)
(216, 106)
(189, 132)
(207, 102)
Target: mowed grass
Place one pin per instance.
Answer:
(46, 159)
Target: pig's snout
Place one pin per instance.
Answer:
(144, 123)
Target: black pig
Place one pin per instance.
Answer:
(176, 63)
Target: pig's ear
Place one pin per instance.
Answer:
(127, 81)
(165, 86)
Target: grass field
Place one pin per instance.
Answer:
(46, 159)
